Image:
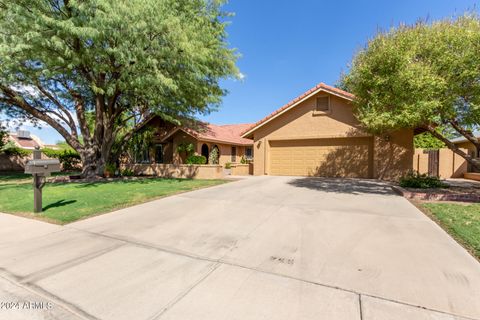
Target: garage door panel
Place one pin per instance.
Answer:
(341, 157)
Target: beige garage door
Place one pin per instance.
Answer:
(339, 157)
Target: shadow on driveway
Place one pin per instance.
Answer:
(343, 185)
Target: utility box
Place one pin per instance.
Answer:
(42, 167)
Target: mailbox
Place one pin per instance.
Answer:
(42, 167)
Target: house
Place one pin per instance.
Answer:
(167, 137)
(25, 140)
(463, 143)
(317, 134)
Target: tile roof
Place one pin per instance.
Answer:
(319, 87)
(230, 133)
(27, 143)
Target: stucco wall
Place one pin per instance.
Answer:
(391, 156)
(240, 169)
(225, 151)
(177, 170)
(450, 165)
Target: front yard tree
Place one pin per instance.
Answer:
(64, 62)
(423, 76)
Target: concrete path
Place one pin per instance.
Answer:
(260, 248)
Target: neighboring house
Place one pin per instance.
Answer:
(167, 137)
(25, 140)
(462, 142)
(317, 134)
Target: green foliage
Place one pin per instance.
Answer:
(243, 160)
(10, 149)
(127, 172)
(3, 136)
(421, 181)
(116, 62)
(427, 141)
(69, 159)
(228, 165)
(424, 75)
(194, 159)
(186, 148)
(213, 156)
(110, 168)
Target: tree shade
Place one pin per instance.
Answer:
(96, 70)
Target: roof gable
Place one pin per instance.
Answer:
(321, 87)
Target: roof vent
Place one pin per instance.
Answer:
(23, 134)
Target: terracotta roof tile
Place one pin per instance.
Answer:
(230, 133)
(320, 86)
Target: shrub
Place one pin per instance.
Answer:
(69, 159)
(12, 150)
(421, 181)
(228, 165)
(110, 168)
(243, 160)
(214, 155)
(128, 172)
(194, 159)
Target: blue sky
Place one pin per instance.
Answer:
(288, 47)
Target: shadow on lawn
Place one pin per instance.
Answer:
(60, 203)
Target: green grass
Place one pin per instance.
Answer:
(68, 202)
(461, 221)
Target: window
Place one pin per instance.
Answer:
(234, 154)
(323, 104)
(159, 153)
(142, 155)
(249, 153)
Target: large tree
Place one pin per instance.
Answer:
(118, 61)
(425, 76)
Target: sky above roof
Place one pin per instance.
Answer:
(287, 47)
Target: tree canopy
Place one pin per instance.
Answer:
(422, 76)
(116, 61)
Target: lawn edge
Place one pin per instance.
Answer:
(33, 216)
(469, 248)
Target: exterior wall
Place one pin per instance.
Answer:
(391, 156)
(240, 169)
(177, 139)
(451, 165)
(471, 150)
(225, 151)
(177, 170)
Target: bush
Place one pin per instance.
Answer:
(214, 155)
(194, 159)
(228, 165)
(421, 181)
(12, 150)
(128, 172)
(69, 159)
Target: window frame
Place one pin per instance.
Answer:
(322, 112)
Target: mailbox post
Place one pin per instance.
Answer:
(40, 169)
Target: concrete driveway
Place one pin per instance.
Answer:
(261, 248)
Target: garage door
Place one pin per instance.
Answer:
(339, 157)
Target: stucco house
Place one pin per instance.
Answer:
(317, 134)
(167, 137)
(463, 143)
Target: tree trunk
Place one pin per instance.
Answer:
(473, 161)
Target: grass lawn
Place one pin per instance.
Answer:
(461, 221)
(68, 202)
